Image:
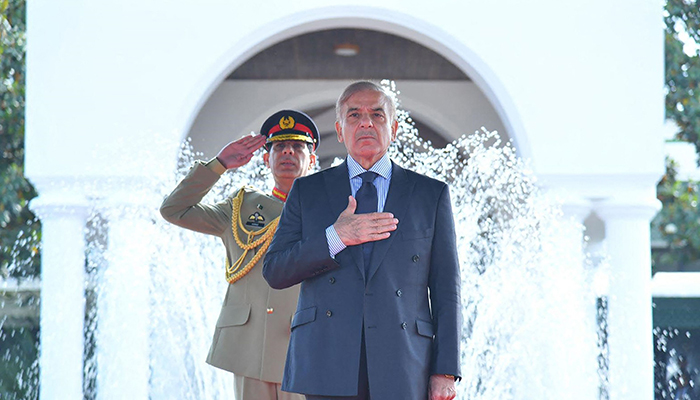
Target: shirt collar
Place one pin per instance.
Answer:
(279, 194)
(382, 167)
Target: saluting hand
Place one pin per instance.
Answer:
(355, 229)
(239, 152)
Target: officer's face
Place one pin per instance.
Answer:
(289, 159)
(365, 127)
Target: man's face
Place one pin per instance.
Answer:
(289, 159)
(365, 126)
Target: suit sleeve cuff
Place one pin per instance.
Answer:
(335, 245)
(215, 165)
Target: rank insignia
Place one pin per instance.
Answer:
(256, 219)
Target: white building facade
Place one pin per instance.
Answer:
(114, 87)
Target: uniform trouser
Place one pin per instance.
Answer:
(253, 389)
(362, 381)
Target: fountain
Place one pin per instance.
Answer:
(529, 309)
(528, 306)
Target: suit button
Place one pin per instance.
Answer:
(399, 292)
(415, 258)
(403, 325)
(270, 310)
(329, 313)
(331, 280)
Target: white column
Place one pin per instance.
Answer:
(123, 323)
(576, 210)
(630, 345)
(582, 377)
(62, 294)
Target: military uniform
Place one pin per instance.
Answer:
(252, 332)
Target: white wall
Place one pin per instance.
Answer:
(578, 84)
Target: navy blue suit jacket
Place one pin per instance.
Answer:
(408, 304)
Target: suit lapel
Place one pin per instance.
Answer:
(337, 184)
(400, 191)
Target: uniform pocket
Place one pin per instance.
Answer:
(425, 328)
(304, 317)
(417, 233)
(233, 315)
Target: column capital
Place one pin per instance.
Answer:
(627, 208)
(571, 203)
(60, 204)
(59, 197)
(124, 201)
(576, 208)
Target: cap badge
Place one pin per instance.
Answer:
(287, 122)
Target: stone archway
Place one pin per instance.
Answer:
(217, 84)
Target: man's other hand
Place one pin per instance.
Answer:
(442, 388)
(354, 229)
(239, 152)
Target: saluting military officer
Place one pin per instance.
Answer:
(252, 333)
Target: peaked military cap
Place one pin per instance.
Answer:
(290, 125)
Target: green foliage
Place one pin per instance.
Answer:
(19, 360)
(683, 70)
(678, 222)
(19, 229)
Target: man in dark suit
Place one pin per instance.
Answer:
(373, 246)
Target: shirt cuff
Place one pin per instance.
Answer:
(215, 165)
(335, 245)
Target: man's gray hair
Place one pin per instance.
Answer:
(362, 86)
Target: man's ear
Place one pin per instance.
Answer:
(339, 131)
(312, 160)
(394, 129)
(266, 158)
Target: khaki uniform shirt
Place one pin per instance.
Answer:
(252, 333)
